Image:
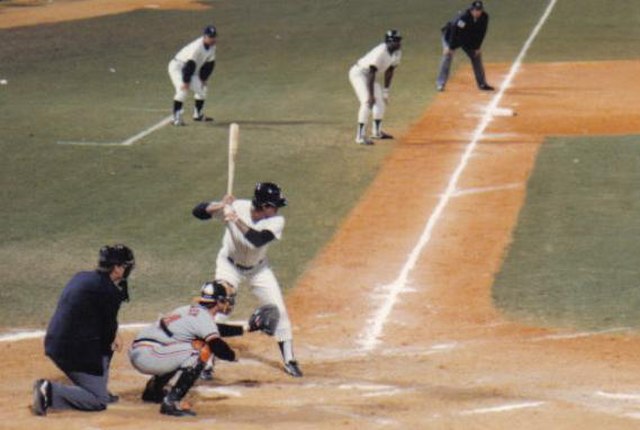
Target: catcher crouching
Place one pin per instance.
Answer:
(185, 339)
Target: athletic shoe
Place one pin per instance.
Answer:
(178, 122)
(291, 367)
(41, 397)
(440, 87)
(207, 374)
(364, 141)
(113, 398)
(382, 135)
(176, 409)
(486, 87)
(202, 118)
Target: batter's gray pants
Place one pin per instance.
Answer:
(445, 66)
(88, 394)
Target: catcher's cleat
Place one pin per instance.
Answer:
(202, 118)
(382, 135)
(41, 397)
(291, 367)
(364, 141)
(207, 374)
(176, 409)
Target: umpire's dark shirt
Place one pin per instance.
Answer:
(464, 32)
(84, 324)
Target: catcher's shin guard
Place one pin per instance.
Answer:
(155, 389)
(171, 404)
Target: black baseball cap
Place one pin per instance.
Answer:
(477, 5)
(210, 31)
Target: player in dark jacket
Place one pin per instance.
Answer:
(82, 335)
(466, 31)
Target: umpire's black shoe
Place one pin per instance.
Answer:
(175, 409)
(41, 397)
(486, 87)
(291, 367)
(113, 398)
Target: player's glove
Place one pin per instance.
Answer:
(265, 318)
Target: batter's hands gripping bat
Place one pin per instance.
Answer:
(233, 150)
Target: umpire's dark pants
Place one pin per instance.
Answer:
(476, 63)
(88, 394)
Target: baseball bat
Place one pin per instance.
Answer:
(233, 150)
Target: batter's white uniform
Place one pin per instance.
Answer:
(238, 260)
(154, 352)
(381, 59)
(200, 54)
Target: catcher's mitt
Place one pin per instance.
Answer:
(265, 318)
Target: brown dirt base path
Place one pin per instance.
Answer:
(446, 359)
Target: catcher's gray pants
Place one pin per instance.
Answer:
(152, 358)
(476, 63)
(88, 394)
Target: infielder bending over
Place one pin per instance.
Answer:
(251, 227)
(384, 58)
(182, 340)
(189, 70)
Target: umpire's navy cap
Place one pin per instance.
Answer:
(210, 31)
(477, 5)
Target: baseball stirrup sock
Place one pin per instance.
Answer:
(286, 349)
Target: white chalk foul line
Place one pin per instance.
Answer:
(127, 142)
(370, 337)
(502, 408)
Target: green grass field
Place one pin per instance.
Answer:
(281, 74)
(574, 259)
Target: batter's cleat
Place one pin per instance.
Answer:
(486, 87)
(364, 141)
(41, 397)
(202, 118)
(291, 367)
(382, 135)
(176, 409)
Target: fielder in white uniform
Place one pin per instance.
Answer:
(189, 70)
(251, 227)
(182, 340)
(384, 58)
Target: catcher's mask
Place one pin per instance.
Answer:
(212, 293)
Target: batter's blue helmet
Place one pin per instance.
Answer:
(268, 193)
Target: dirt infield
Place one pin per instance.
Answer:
(446, 358)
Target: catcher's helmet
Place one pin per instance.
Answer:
(392, 36)
(213, 292)
(268, 194)
(115, 255)
(477, 5)
(210, 31)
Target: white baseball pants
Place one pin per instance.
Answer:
(358, 79)
(175, 73)
(264, 286)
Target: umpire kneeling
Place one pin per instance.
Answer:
(82, 335)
